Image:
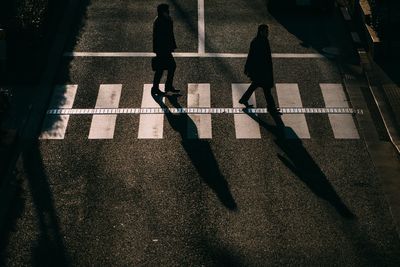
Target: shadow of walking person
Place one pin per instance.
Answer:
(199, 151)
(300, 162)
(49, 250)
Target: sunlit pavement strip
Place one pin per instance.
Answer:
(199, 97)
(151, 124)
(294, 110)
(343, 125)
(187, 55)
(289, 97)
(245, 127)
(54, 127)
(103, 126)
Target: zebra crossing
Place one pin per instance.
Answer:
(199, 110)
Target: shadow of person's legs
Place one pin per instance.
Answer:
(49, 249)
(199, 151)
(299, 161)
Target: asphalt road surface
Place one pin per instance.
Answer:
(133, 189)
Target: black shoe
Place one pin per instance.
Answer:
(156, 91)
(245, 102)
(172, 90)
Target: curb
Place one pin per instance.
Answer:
(384, 155)
(366, 66)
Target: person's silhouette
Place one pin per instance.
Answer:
(259, 69)
(163, 45)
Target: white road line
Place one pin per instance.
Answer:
(103, 126)
(199, 97)
(345, 13)
(245, 127)
(54, 127)
(201, 26)
(187, 55)
(289, 96)
(134, 111)
(342, 124)
(355, 37)
(150, 125)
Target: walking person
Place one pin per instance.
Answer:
(259, 69)
(163, 45)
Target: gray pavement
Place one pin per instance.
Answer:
(218, 202)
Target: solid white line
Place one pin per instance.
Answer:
(343, 125)
(103, 126)
(199, 97)
(289, 96)
(187, 55)
(54, 127)
(201, 27)
(345, 13)
(245, 127)
(150, 125)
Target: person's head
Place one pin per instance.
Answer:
(263, 30)
(163, 10)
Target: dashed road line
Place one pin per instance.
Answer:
(151, 124)
(54, 127)
(343, 125)
(289, 96)
(245, 127)
(103, 126)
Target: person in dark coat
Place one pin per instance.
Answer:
(163, 45)
(259, 69)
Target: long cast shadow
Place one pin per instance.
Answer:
(199, 152)
(299, 161)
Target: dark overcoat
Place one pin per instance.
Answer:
(163, 36)
(259, 62)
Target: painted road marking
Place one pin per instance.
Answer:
(199, 97)
(201, 27)
(245, 127)
(343, 125)
(187, 55)
(54, 127)
(134, 111)
(103, 126)
(150, 125)
(289, 96)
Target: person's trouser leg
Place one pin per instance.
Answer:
(157, 78)
(171, 72)
(270, 99)
(246, 96)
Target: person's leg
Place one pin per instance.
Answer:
(170, 76)
(271, 106)
(246, 96)
(156, 81)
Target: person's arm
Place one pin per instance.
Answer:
(156, 37)
(173, 37)
(249, 61)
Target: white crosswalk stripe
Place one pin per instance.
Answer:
(103, 126)
(55, 126)
(289, 96)
(199, 97)
(245, 127)
(151, 126)
(151, 122)
(343, 125)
